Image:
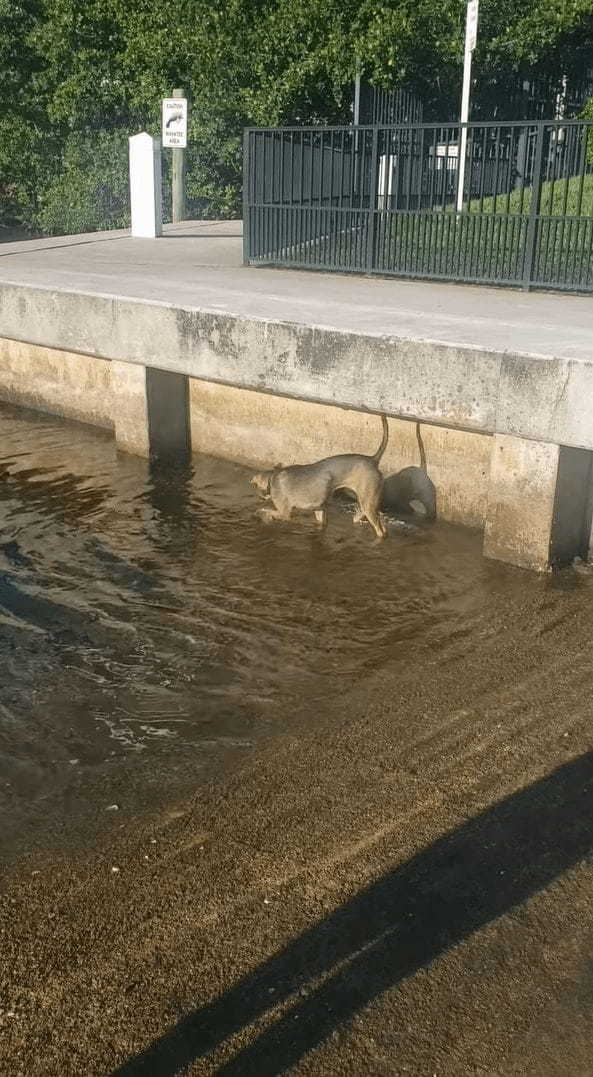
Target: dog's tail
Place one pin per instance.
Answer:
(421, 447)
(379, 453)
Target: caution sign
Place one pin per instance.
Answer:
(175, 122)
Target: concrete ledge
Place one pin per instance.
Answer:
(547, 400)
(464, 388)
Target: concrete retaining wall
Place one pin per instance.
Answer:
(62, 383)
(254, 428)
(518, 488)
(261, 430)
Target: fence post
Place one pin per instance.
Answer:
(373, 211)
(534, 209)
(246, 184)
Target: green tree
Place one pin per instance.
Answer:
(21, 114)
(78, 76)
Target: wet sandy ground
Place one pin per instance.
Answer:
(392, 877)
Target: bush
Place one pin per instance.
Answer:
(91, 189)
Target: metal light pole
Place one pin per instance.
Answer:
(356, 118)
(357, 99)
(471, 36)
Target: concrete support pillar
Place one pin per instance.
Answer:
(130, 408)
(539, 503)
(573, 506)
(145, 186)
(150, 412)
(167, 399)
(521, 501)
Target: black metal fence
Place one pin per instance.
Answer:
(378, 106)
(385, 200)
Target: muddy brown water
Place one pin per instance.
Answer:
(152, 627)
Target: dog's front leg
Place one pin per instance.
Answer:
(268, 514)
(282, 513)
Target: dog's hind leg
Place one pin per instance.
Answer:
(369, 507)
(376, 523)
(321, 517)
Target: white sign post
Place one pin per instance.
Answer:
(175, 122)
(471, 36)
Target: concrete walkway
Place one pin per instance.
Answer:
(197, 265)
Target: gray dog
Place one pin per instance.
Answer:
(411, 484)
(308, 487)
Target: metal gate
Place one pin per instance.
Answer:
(383, 200)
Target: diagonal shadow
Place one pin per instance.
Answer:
(391, 929)
(202, 235)
(98, 237)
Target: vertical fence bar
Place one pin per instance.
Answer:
(265, 197)
(536, 196)
(281, 181)
(275, 219)
(496, 180)
(246, 199)
(582, 168)
(410, 141)
(372, 210)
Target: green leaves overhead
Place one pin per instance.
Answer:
(73, 69)
(270, 58)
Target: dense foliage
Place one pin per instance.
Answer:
(78, 76)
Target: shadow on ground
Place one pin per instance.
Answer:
(202, 235)
(387, 932)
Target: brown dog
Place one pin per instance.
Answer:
(308, 487)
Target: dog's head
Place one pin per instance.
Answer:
(262, 479)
